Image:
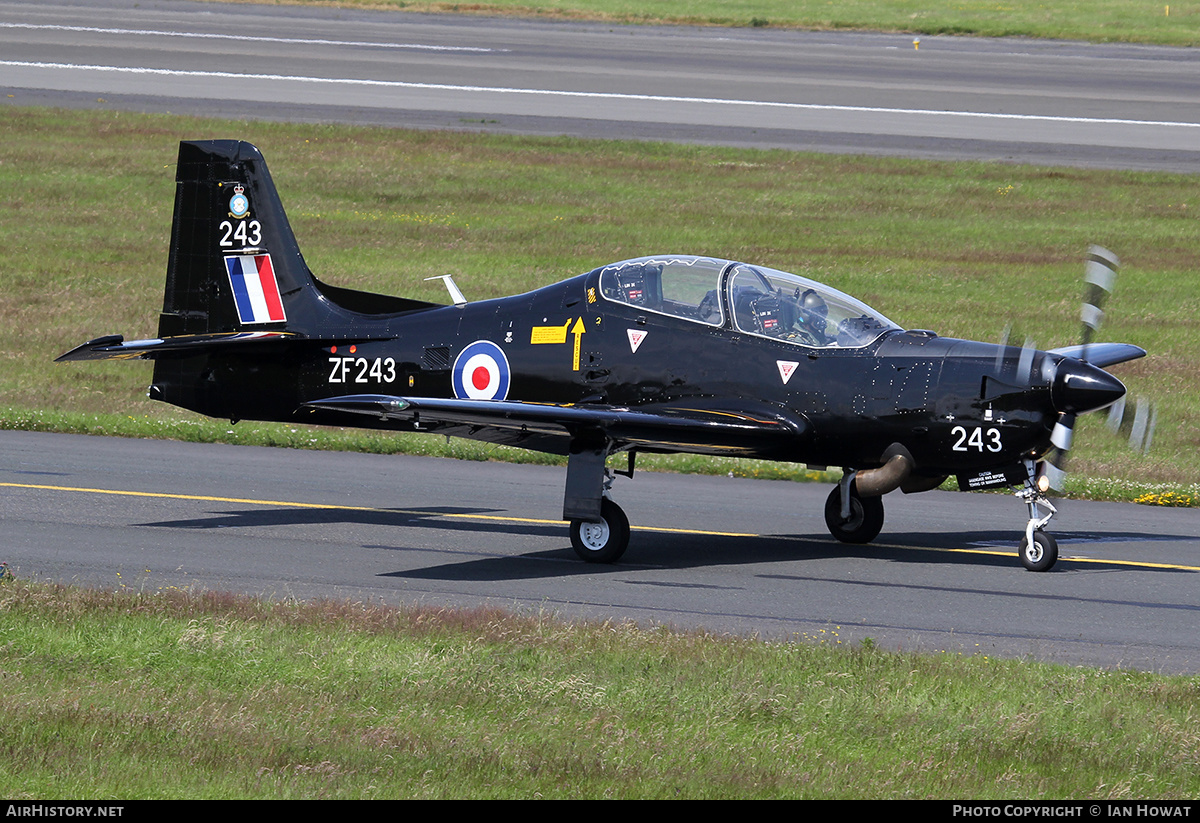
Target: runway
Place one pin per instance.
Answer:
(726, 555)
(1115, 106)
(715, 553)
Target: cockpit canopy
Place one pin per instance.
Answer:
(752, 299)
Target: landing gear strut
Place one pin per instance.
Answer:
(1038, 550)
(599, 528)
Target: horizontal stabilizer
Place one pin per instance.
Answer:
(115, 347)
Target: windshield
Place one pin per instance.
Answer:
(798, 310)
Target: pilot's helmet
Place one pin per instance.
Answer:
(813, 310)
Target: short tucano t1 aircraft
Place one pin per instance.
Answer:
(668, 353)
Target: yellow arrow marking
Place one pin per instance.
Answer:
(578, 331)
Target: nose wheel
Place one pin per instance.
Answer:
(1039, 554)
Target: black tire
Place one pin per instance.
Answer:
(866, 517)
(603, 541)
(1042, 555)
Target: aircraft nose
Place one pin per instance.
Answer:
(1081, 387)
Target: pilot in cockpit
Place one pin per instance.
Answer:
(812, 316)
(801, 317)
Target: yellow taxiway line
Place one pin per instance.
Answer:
(540, 521)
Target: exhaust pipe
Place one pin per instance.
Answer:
(888, 477)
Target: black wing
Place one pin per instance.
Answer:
(663, 428)
(1103, 354)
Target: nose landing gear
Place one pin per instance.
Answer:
(1038, 551)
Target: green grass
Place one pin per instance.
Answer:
(175, 694)
(1132, 21)
(963, 248)
(178, 694)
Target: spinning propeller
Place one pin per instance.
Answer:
(1078, 387)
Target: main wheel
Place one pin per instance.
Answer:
(864, 523)
(1041, 555)
(602, 541)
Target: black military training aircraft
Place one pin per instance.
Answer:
(667, 353)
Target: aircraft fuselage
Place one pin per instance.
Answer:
(558, 346)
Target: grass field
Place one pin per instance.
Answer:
(1131, 21)
(170, 694)
(962, 248)
(176, 694)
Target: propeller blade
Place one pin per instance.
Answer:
(1116, 414)
(1053, 475)
(1064, 433)
(1138, 427)
(1003, 347)
(1054, 468)
(1025, 362)
(1144, 421)
(1100, 273)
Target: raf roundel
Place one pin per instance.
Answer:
(481, 372)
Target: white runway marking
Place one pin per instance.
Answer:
(654, 98)
(250, 38)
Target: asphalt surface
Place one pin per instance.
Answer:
(716, 553)
(1056, 103)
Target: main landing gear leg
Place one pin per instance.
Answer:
(599, 528)
(1038, 550)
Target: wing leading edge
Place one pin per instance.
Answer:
(1102, 354)
(661, 428)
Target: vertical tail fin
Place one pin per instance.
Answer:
(241, 309)
(234, 263)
